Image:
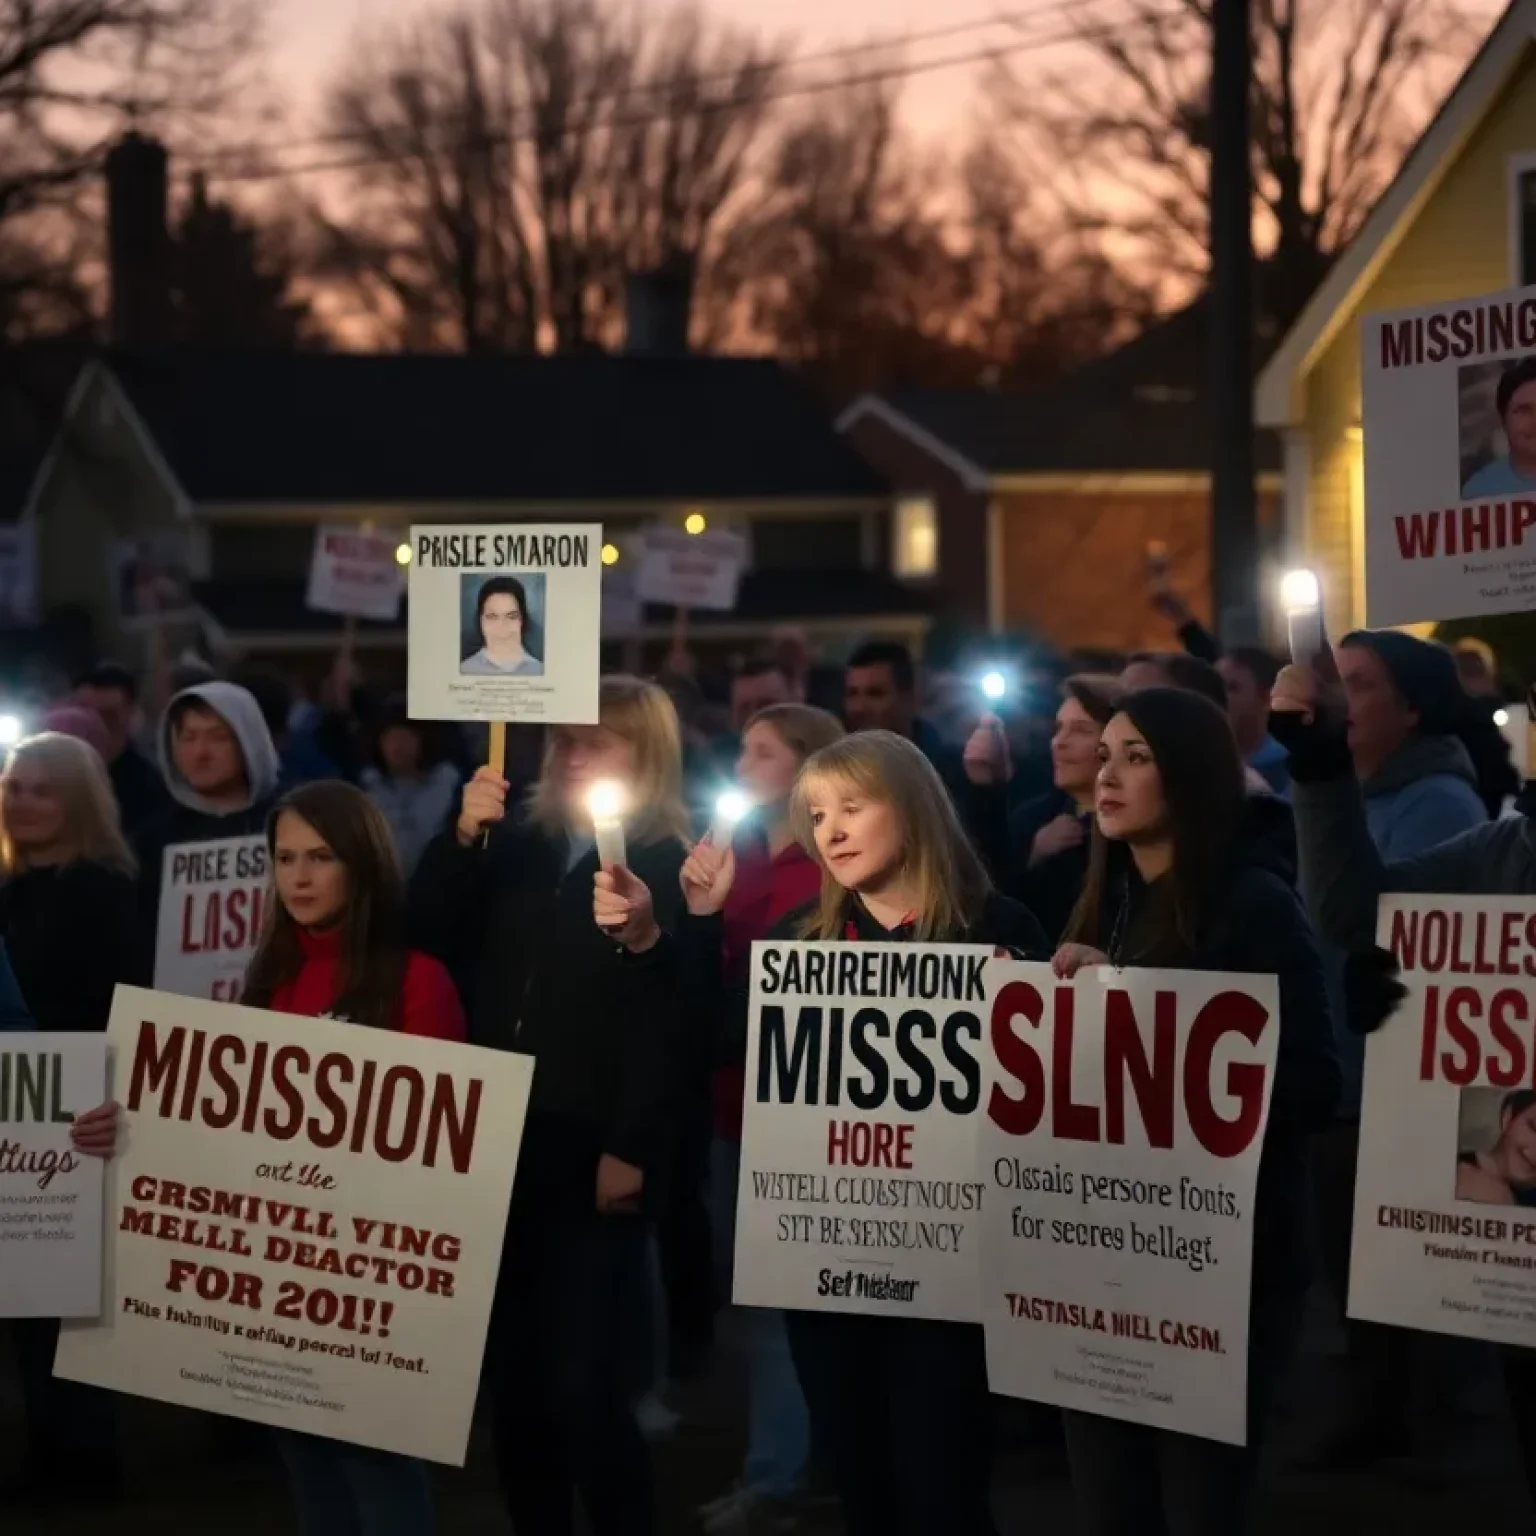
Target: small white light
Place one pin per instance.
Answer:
(1501, 718)
(10, 730)
(994, 685)
(605, 801)
(730, 807)
(1299, 591)
(402, 554)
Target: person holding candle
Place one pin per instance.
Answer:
(511, 913)
(739, 883)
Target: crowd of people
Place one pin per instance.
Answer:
(1163, 816)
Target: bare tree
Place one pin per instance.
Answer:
(515, 161)
(73, 74)
(1341, 88)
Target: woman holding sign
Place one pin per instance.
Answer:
(69, 924)
(511, 912)
(335, 948)
(1173, 884)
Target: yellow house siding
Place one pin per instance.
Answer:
(1458, 245)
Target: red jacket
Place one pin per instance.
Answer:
(429, 1001)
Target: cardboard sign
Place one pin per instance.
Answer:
(306, 1222)
(18, 576)
(50, 1195)
(1450, 459)
(1445, 1193)
(505, 623)
(859, 1190)
(1123, 1119)
(355, 574)
(212, 897)
(691, 570)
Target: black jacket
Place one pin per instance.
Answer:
(72, 935)
(1255, 925)
(606, 1027)
(140, 790)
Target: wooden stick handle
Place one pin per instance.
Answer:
(497, 756)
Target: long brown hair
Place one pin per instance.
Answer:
(802, 728)
(373, 951)
(952, 884)
(78, 776)
(1203, 790)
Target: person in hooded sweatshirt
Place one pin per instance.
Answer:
(899, 1405)
(1173, 883)
(222, 772)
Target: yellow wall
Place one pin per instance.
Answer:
(1458, 245)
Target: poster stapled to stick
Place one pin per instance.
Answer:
(505, 623)
(305, 1222)
(1123, 1117)
(1445, 1192)
(212, 899)
(1449, 416)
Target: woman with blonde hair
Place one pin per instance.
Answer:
(508, 905)
(68, 922)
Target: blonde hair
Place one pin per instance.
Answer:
(950, 880)
(76, 772)
(643, 715)
(802, 728)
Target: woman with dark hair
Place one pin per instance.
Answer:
(1173, 882)
(335, 948)
(501, 615)
(409, 782)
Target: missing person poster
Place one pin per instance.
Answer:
(212, 897)
(305, 1222)
(858, 1153)
(354, 572)
(1445, 1193)
(1449, 412)
(505, 623)
(50, 1194)
(1123, 1115)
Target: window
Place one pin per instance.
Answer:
(1522, 220)
(915, 547)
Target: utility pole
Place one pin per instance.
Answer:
(1234, 520)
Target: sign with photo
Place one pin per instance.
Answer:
(305, 1221)
(355, 573)
(691, 570)
(1449, 415)
(1122, 1123)
(1447, 1169)
(505, 623)
(50, 1194)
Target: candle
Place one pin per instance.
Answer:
(1301, 597)
(605, 804)
(730, 807)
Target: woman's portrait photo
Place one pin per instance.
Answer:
(1497, 403)
(1496, 1147)
(502, 623)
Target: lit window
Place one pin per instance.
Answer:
(915, 548)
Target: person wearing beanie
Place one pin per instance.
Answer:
(81, 723)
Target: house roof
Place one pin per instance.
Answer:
(1140, 409)
(1337, 297)
(349, 428)
(272, 606)
(35, 381)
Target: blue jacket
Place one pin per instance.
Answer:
(14, 1013)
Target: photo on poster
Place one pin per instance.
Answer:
(505, 623)
(501, 624)
(1496, 422)
(1496, 1147)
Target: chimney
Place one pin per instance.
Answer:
(138, 242)
(657, 307)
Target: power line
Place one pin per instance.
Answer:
(788, 92)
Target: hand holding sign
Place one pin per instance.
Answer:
(707, 876)
(484, 805)
(1072, 958)
(618, 1185)
(95, 1131)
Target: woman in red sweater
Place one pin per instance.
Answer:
(335, 948)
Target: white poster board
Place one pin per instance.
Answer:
(212, 897)
(18, 576)
(50, 1195)
(1123, 1119)
(858, 1152)
(691, 570)
(505, 623)
(1450, 477)
(306, 1222)
(1445, 1192)
(355, 573)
